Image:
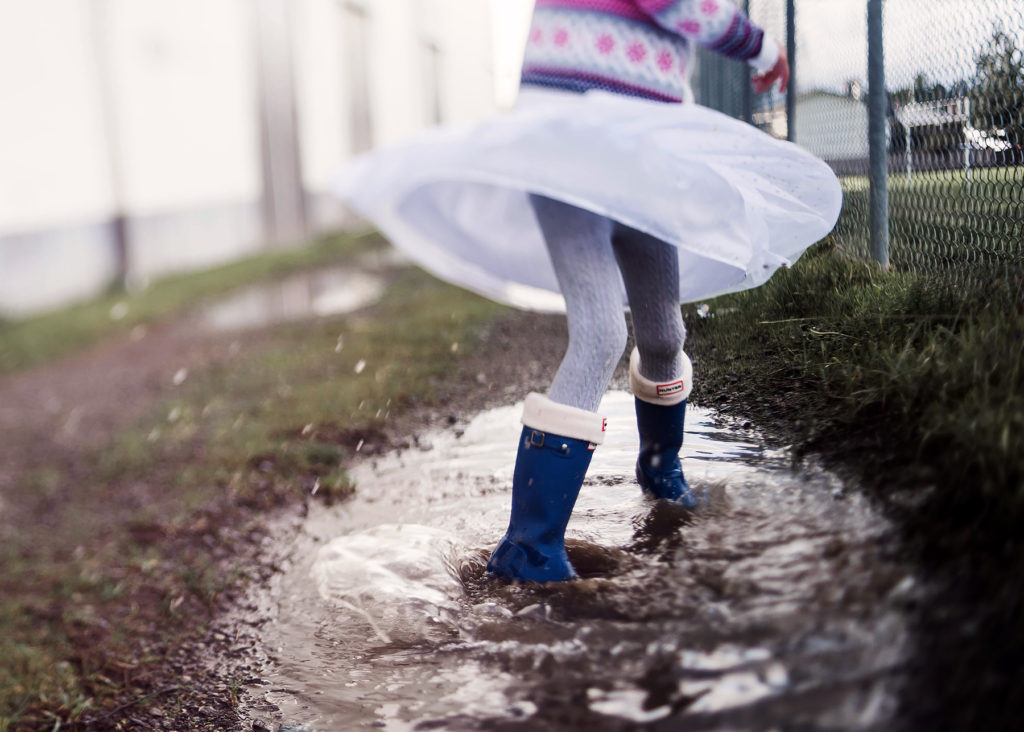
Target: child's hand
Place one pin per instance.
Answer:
(779, 72)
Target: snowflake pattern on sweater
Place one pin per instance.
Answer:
(637, 47)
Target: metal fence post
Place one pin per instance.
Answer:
(746, 89)
(877, 120)
(791, 57)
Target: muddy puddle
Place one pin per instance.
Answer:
(325, 292)
(778, 609)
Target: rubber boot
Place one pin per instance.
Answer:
(555, 448)
(660, 418)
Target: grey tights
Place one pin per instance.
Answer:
(593, 256)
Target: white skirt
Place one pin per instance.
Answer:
(736, 203)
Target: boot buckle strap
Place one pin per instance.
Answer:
(539, 439)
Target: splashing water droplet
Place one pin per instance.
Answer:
(340, 344)
(360, 365)
(455, 347)
(174, 415)
(179, 377)
(359, 446)
(119, 310)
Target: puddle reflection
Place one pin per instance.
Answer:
(333, 291)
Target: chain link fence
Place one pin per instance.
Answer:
(952, 168)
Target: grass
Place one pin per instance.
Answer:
(955, 222)
(36, 340)
(915, 381)
(897, 351)
(132, 558)
(951, 179)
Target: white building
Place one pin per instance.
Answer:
(833, 126)
(160, 135)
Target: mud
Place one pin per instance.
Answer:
(784, 608)
(779, 607)
(147, 653)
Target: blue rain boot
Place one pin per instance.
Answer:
(555, 448)
(660, 417)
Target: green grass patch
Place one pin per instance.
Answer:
(964, 224)
(300, 407)
(932, 365)
(32, 341)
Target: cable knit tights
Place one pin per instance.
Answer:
(593, 258)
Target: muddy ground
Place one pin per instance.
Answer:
(57, 416)
(190, 660)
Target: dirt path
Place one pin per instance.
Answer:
(82, 401)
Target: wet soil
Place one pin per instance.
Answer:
(182, 670)
(59, 413)
(148, 648)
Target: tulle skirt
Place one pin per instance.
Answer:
(736, 203)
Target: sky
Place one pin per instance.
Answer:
(940, 38)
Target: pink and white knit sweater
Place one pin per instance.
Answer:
(637, 47)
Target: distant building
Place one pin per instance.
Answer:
(920, 135)
(939, 135)
(831, 125)
(142, 137)
(834, 127)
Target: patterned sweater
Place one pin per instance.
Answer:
(637, 47)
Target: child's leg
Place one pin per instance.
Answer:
(650, 270)
(660, 373)
(561, 430)
(580, 246)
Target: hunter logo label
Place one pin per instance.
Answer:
(669, 389)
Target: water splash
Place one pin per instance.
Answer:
(777, 605)
(394, 576)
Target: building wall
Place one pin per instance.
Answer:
(53, 158)
(188, 119)
(831, 126)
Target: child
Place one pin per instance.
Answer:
(607, 199)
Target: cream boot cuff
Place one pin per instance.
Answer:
(540, 413)
(652, 392)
